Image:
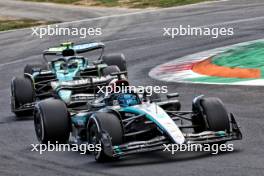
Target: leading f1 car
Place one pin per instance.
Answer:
(127, 123)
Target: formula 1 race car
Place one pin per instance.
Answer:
(67, 65)
(128, 123)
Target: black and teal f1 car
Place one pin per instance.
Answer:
(129, 123)
(62, 64)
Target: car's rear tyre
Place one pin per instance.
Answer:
(52, 121)
(116, 59)
(215, 114)
(109, 123)
(110, 69)
(30, 68)
(22, 92)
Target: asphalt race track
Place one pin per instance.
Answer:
(54, 12)
(139, 37)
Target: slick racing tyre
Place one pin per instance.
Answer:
(116, 59)
(108, 123)
(110, 69)
(51, 121)
(31, 68)
(22, 92)
(215, 115)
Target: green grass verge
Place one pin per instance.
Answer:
(160, 3)
(249, 56)
(125, 3)
(20, 23)
(56, 1)
(214, 79)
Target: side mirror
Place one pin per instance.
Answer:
(172, 95)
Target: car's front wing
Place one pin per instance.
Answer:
(157, 143)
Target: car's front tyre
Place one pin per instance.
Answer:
(107, 123)
(213, 116)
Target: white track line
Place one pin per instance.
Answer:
(179, 78)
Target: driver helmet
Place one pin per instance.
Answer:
(126, 100)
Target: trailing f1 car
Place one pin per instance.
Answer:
(41, 80)
(128, 123)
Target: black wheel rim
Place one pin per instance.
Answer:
(38, 126)
(94, 139)
(12, 96)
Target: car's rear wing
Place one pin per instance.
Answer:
(69, 49)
